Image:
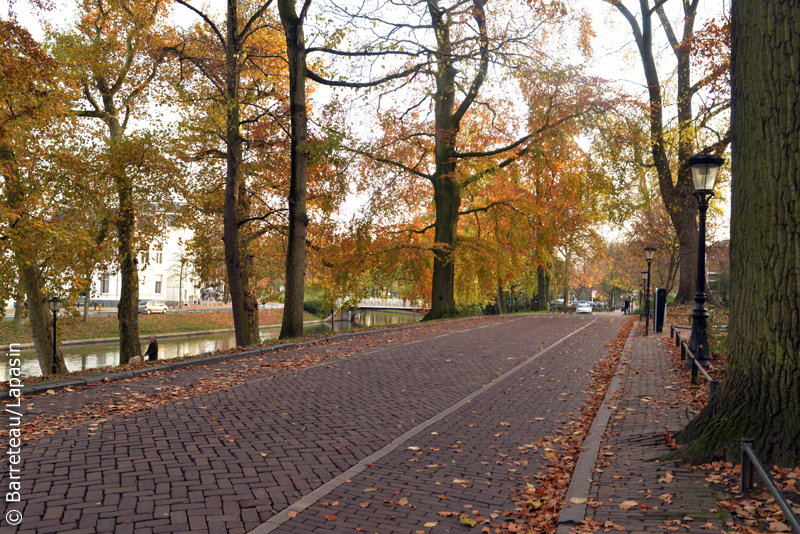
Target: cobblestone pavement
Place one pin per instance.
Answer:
(233, 460)
(668, 495)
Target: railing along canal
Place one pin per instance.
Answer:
(696, 367)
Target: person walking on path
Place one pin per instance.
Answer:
(626, 306)
(152, 350)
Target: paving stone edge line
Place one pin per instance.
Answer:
(208, 360)
(309, 500)
(579, 486)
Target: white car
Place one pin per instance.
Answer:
(152, 306)
(584, 307)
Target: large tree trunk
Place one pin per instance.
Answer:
(447, 197)
(292, 323)
(760, 397)
(446, 191)
(249, 281)
(543, 290)
(675, 185)
(41, 320)
(501, 300)
(233, 138)
(128, 307)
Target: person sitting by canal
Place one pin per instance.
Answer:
(152, 350)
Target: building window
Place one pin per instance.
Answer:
(104, 284)
(159, 257)
(145, 258)
(158, 284)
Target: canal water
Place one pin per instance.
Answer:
(95, 355)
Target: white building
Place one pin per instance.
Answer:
(159, 275)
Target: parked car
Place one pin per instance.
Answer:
(152, 306)
(584, 307)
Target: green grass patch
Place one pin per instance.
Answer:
(73, 328)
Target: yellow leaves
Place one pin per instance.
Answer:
(467, 521)
(627, 505)
(432, 523)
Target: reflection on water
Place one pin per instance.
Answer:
(82, 357)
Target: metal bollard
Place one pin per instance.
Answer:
(683, 351)
(747, 465)
(713, 385)
(694, 371)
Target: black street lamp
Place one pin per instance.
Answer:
(54, 304)
(650, 253)
(704, 173)
(641, 294)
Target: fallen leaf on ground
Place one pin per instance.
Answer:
(627, 505)
(777, 526)
(467, 521)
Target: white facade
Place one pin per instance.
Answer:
(159, 275)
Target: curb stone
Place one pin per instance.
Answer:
(580, 483)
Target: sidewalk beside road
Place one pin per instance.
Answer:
(627, 485)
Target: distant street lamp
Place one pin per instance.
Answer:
(650, 253)
(704, 173)
(54, 304)
(641, 294)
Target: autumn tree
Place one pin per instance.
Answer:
(760, 396)
(445, 128)
(54, 216)
(114, 55)
(27, 76)
(233, 88)
(703, 50)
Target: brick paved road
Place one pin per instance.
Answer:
(199, 464)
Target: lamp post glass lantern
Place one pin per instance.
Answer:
(650, 253)
(704, 173)
(55, 305)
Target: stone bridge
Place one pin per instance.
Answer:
(406, 305)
